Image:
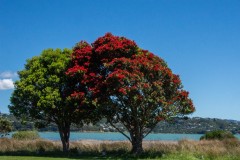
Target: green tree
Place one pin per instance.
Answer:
(217, 135)
(5, 126)
(131, 86)
(42, 94)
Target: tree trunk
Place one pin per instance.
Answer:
(137, 148)
(65, 134)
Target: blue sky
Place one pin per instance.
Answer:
(199, 39)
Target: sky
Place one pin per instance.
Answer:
(199, 39)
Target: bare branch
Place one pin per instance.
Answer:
(120, 131)
(152, 127)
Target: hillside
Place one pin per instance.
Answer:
(195, 125)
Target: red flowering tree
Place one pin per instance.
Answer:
(131, 86)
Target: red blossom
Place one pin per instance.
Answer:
(92, 74)
(78, 95)
(176, 79)
(120, 76)
(145, 85)
(151, 55)
(113, 45)
(86, 64)
(134, 87)
(122, 90)
(159, 118)
(116, 66)
(184, 93)
(76, 69)
(156, 68)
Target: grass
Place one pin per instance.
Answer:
(166, 157)
(93, 149)
(29, 158)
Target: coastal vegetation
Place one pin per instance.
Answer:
(5, 126)
(89, 149)
(26, 135)
(111, 78)
(42, 94)
(218, 135)
(130, 86)
(110, 85)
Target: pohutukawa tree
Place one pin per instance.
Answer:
(130, 85)
(43, 94)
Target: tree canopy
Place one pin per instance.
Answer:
(130, 85)
(43, 93)
(111, 78)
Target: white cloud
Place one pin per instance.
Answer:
(8, 74)
(6, 84)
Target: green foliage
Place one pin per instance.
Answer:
(39, 94)
(5, 126)
(43, 93)
(26, 135)
(218, 135)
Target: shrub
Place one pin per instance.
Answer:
(5, 127)
(26, 135)
(217, 135)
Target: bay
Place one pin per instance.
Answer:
(114, 136)
(74, 136)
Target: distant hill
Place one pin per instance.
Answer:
(195, 125)
(198, 125)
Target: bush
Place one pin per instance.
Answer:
(5, 127)
(26, 135)
(218, 135)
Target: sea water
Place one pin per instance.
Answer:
(119, 137)
(114, 136)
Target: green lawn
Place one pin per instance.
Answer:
(168, 157)
(42, 158)
(29, 158)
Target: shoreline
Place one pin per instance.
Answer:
(115, 136)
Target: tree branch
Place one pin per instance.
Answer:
(120, 131)
(152, 127)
